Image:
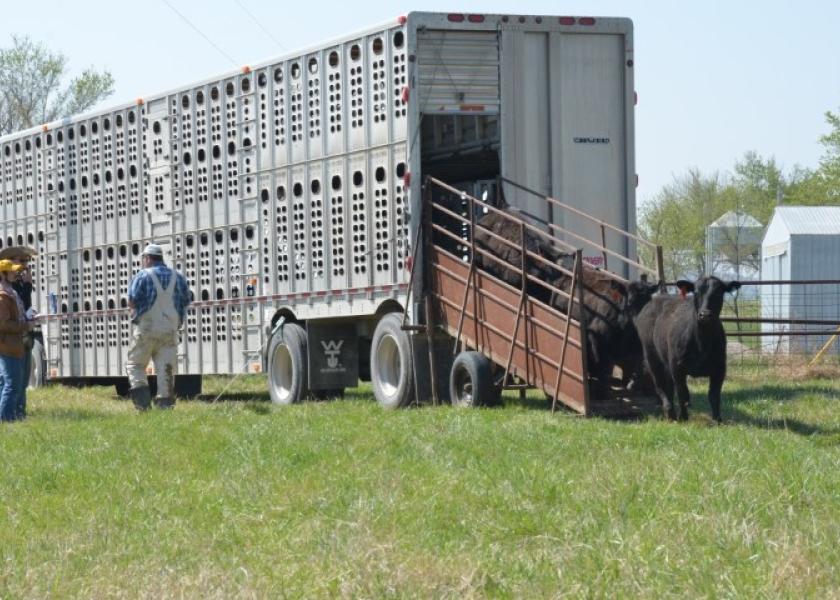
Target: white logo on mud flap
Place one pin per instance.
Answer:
(332, 350)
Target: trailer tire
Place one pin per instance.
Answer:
(287, 365)
(391, 370)
(38, 365)
(471, 381)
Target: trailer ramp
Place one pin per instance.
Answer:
(522, 335)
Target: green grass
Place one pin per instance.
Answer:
(340, 498)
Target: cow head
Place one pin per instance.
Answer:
(639, 293)
(708, 295)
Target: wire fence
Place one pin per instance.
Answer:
(784, 322)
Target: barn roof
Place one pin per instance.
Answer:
(735, 219)
(802, 220)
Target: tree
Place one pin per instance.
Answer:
(32, 89)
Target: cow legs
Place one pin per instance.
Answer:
(680, 381)
(664, 388)
(715, 385)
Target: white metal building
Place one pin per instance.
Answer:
(801, 243)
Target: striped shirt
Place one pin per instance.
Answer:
(142, 292)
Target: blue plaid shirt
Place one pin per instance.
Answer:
(142, 292)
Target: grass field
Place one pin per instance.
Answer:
(243, 499)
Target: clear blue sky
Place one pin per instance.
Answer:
(714, 78)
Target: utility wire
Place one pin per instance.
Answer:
(260, 25)
(199, 32)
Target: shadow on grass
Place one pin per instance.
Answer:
(779, 393)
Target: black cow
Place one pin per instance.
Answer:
(609, 306)
(683, 336)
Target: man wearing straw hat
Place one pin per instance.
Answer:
(22, 284)
(13, 325)
(158, 297)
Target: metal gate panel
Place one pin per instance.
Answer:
(457, 71)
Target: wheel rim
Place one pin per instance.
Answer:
(463, 387)
(281, 373)
(389, 365)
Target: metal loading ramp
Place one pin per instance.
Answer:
(524, 329)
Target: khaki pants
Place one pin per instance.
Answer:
(160, 347)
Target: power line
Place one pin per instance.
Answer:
(260, 25)
(199, 32)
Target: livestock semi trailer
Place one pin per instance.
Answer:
(292, 194)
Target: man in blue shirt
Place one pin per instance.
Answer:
(158, 297)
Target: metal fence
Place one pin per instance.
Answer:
(784, 322)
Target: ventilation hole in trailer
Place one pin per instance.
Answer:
(28, 145)
(120, 174)
(355, 52)
(205, 295)
(264, 195)
(132, 171)
(156, 127)
(234, 235)
(262, 80)
(98, 254)
(110, 252)
(135, 249)
(377, 46)
(380, 174)
(30, 238)
(40, 236)
(278, 75)
(84, 181)
(123, 303)
(231, 147)
(10, 241)
(108, 177)
(217, 151)
(187, 158)
(199, 97)
(119, 121)
(245, 85)
(399, 39)
(20, 240)
(203, 239)
(185, 102)
(87, 306)
(297, 190)
(313, 65)
(214, 93)
(336, 182)
(358, 179)
(230, 89)
(49, 139)
(131, 117)
(315, 186)
(281, 192)
(111, 304)
(86, 256)
(99, 305)
(295, 71)
(70, 135)
(96, 179)
(8, 151)
(190, 241)
(59, 137)
(220, 293)
(123, 251)
(60, 186)
(333, 59)
(202, 155)
(220, 236)
(72, 184)
(82, 131)
(246, 143)
(249, 233)
(38, 142)
(401, 170)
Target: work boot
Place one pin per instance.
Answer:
(165, 403)
(141, 397)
